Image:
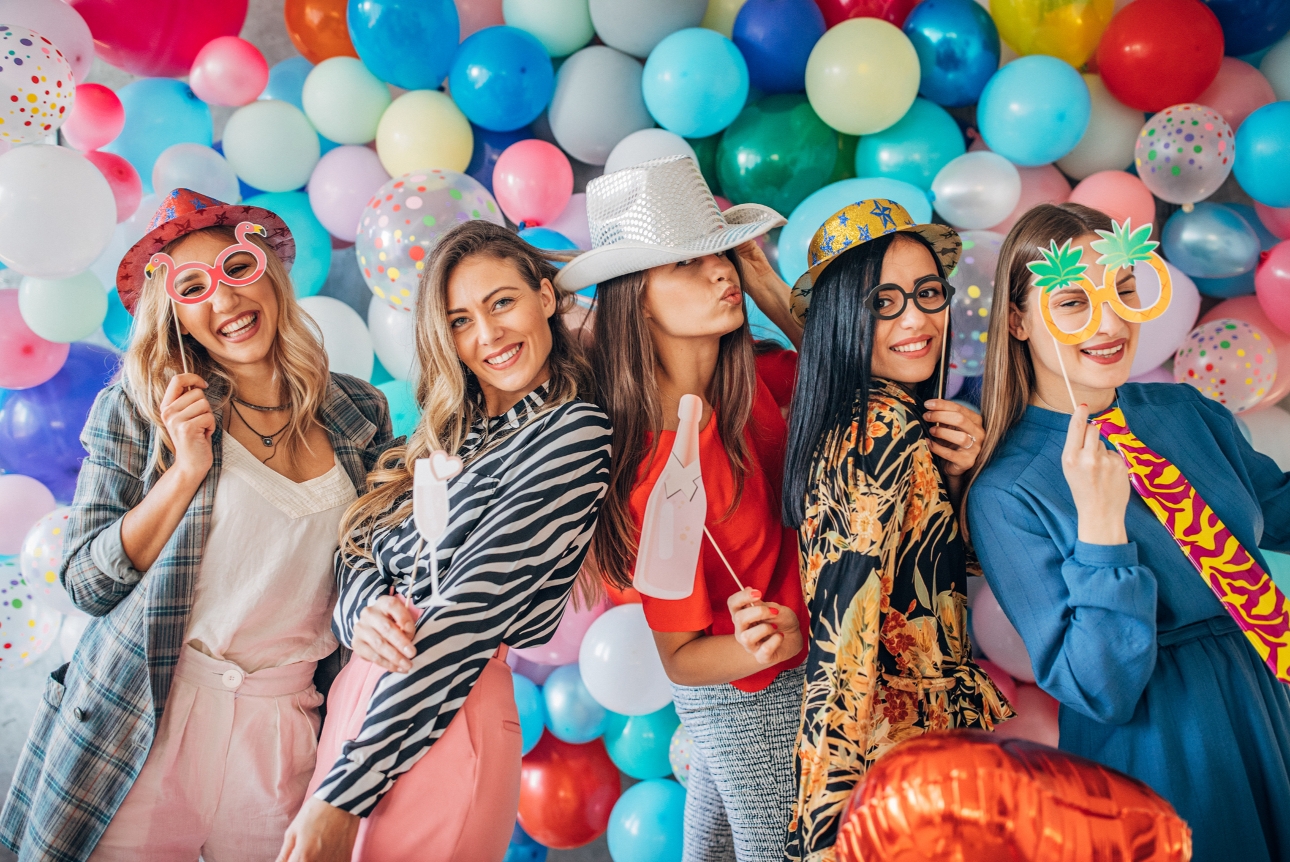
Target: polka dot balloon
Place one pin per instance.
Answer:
(1228, 360)
(36, 86)
(973, 281)
(405, 220)
(27, 629)
(678, 754)
(1184, 153)
(42, 557)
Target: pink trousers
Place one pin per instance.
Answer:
(458, 802)
(228, 770)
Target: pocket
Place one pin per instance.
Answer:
(512, 726)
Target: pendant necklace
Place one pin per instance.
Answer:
(266, 439)
(261, 407)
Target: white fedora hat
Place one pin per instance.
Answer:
(654, 213)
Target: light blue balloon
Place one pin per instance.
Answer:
(1211, 241)
(647, 823)
(638, 744)
(501, 78)
(548, 240)
(572, 714)
(313, 242)
(117, 325)
(913, 150)
(695, 82)
(1267, 238)
(404, 412)
(287, 80)
(1262, 163)
(159, 112)
(532, 710)
(1034, 110)
(795, 238)
(407, 43)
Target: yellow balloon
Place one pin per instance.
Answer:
(1066, 29)
(862, 76)
(721, 16)
(423, 130)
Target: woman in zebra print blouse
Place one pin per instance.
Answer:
(500, 385)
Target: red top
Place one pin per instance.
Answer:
(760, 549)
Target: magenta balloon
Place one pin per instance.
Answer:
(26, 359)
(563, 647)
(996, 637)
(1275, 219)
(572, 223)
(23, 502)
(122, 178)
(158, 38)
(342, 183)
(229, 71)
(532, 182)
(1272, 285)
(96, 119)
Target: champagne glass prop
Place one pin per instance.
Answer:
(430, 514)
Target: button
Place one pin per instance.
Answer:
(80, 714)
(232, 678)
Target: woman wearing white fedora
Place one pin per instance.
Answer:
(670, 321)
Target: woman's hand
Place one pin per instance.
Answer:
(383, 634)
(1099, 482)
(190, 422)
(320, 833)
(952, 423)
(770, 292)
(768, 631)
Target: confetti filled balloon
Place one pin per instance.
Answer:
(27, 628)
(42, 557)
(678, 754)
(1184, 153)
(1228, 360)
(36, 86)
(973, 281)
(405, 220)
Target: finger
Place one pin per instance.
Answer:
(956, 436)
(766, 652)
(185, 400)
(1075, 430)
(958, 457)
(288, 844)
(393, 634)
(947, 417)
(1093, 438)
(742, 599)
(754, 635)
(750, 616)
(192, 411)
(404, 617)
(379, 652)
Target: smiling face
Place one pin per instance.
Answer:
(698, 298)
(907, 348)
(500, 328)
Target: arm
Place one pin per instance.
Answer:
(770, 293)
(766, 634)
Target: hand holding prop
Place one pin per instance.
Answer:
(430, 513)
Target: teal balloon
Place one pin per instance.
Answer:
(1279, 569)
(118, 323)
(572, 714)
(313, 242)
(638, 744)
(532, 710)
(775, 153)
(379, 373)
(914, 149)
(404, 412)
(647, 823)
(159, 112)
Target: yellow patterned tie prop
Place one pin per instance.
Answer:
(1245, 589)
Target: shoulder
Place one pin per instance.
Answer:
(890, 416)
(367, 398)
(577, 418)
(777, 368)
(116, 414)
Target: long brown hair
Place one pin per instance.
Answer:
(627, 390)
(1009, 369)
(447, 391)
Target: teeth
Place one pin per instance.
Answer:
(231, 329)
(912, 348)
(1110, 351)
(505, 357)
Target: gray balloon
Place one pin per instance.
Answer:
(636, 27)
(597, 103)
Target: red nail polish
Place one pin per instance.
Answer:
(756, 594)
(774, 610)
(774, 626)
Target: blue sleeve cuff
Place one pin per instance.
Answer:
(1106, 556)
(109, 555)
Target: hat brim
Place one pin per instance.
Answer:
(744, 222)
(130, 276)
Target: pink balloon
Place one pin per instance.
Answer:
(475, 15)
(123, 179)
(26, 359)
(1119, 194)
(342, 183)
(1238, 91)
(572, 223)
(1036, 720)
(564, 644)
(1272, 286)
(96, 118)
(1275, 219)
(532, 182)
(23, 502)
(1040, 185)
(229, 71)
(1247, 308)
(1007, 685)
(992, 631)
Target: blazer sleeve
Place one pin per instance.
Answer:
(1088, 619)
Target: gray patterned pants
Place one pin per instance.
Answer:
(741, 787)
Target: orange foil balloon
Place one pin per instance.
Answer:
(966, 795)
(567, 792)
(317, 28)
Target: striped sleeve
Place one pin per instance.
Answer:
(508, 582)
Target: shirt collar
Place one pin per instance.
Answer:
(495, 428)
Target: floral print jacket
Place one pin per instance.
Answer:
(883, 571)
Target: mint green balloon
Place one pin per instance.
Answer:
(65, 309)
(271, 146)
(344, 100)
(562, 26)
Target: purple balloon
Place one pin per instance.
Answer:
(342, 183)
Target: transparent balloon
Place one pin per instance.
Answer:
(42, 557)
(27, 627)
(36, 86)
(679, 752)
(1184, 153)
(1229, 361)
(973, 281)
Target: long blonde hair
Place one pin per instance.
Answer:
(297, 353)
(448, 394)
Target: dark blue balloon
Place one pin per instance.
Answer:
(1250, 25)
(488, 148)
(502, 78)
(407, 43)
(523, 848)
(776, 38)
(40, 427)
(958, 50)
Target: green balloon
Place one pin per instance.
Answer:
(705, 150)
(776, 152)
(63, 309)
(845, 167)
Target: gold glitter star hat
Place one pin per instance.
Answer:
(859, 223)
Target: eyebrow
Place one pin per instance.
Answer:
(1128, 274)
(490, 295)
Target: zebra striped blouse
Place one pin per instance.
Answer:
(521, 516)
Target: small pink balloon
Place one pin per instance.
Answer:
(1007, 685)
(1247, 308)
(563, 646)
(1037, 717)
(1272, 286)
(992, 631)
(1238, 91)
(228, 71)
(342, 183)
(23, 502)
(1275, 219)
(1119, 194)
(572, 223)
(532, 182)
(122, 178)
(1040, 185)
(475, 15)
(96, 118)
(26, 359)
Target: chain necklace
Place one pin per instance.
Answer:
(261, 407)
(266, 439)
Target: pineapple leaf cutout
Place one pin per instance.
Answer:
(1123, 246)
(1061, 267)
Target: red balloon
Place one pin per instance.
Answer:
(1157, 53)
(892, 11)
(567, 792)
(158, 38)
(123, 179)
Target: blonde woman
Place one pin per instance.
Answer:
(201, 541)
(501, 386)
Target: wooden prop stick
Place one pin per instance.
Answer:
(729, 568)
(1061, 363)
(945, 340)
(183, 356)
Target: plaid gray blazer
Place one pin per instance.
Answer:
(95, 726)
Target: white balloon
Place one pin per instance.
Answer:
(126, 234)
(635, 27)
(196, 167)
(393, 332)
(1108, 141)
(1275, 66)
(645, 145)
(1270, 430)
(976, 190)
(28, 626)
(57, 212)
(597, 102)
(70, 635)
(1159, 339)
(41, 558)
(345, 336)
(620, 664)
